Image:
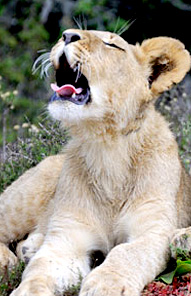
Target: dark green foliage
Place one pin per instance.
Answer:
(20, 39)
(10, 279)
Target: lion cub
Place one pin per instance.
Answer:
(118, 188)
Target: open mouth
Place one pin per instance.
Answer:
(71, 85)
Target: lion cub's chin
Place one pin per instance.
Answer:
(69, 113)
(65, 111)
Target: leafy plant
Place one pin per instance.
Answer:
(37, 142)
(182, 267)
(10, 279)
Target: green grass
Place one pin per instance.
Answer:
(9, 280)
(40, 141)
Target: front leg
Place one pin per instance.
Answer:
(62, 260)
(133, 264)
(23, 203)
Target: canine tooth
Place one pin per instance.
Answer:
(73, 95)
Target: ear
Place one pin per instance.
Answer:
(166, 62)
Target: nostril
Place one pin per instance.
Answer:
(75, 37)
(64, 36)
(70, 37)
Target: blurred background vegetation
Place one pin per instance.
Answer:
(27, 26)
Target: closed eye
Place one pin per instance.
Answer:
(113, 45)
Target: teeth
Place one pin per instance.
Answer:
(73, 95)
(75, 69)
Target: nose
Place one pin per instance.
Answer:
(70, 37)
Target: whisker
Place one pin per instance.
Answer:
(45, 61)
(41, 58)
(85, 23)
(81, 22)
(46, 68)
(125, 27)
(78, 72)
(116, 26)
(42, 62)
(78, 22)
(42, 50)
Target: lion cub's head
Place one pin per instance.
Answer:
(99, 76)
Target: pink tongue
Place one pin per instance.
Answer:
(66, 90)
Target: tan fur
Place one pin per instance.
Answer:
(119, 187)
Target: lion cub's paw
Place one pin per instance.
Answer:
(32, 288)
(27, 248)
(7, 258)
(104, 282)
(181, 242)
